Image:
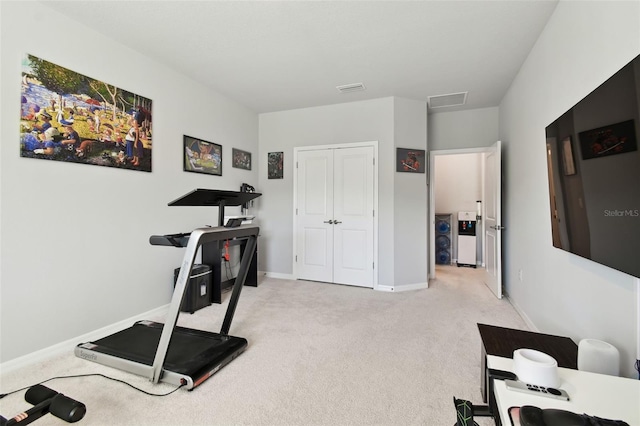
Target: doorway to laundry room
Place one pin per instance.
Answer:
(464, 212)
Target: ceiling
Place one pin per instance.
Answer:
(280, 55)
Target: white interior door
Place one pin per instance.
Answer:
(314, 219)
(353, 216)
(492, 217)
(335, 215)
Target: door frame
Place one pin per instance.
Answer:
(373, 144)
(432, 211)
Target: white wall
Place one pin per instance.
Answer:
(457, 182)
(475, 128)
(75, 250)
(583, 44)
(362, 121)
(457, 185)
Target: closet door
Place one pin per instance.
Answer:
(353, 216)
(314, 230)
(335, 216)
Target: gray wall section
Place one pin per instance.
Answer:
(328, 125)
(477, 128)
(362, 121)
(561, 293)
(410, 197)
(457, 182)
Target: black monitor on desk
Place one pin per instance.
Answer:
(215, 197)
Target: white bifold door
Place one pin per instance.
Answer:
(334, 227)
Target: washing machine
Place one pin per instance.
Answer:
(467, 252)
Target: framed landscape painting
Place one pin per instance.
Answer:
(67, 116)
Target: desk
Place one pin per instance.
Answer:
(500, 341)
(609, 397)
(211, 252)
(211, 256)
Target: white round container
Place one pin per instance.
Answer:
(598, 357)
(536, 368)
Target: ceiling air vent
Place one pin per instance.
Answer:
(452, 99)
(348, 88)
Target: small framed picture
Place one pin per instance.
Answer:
(275, 165)
(614, 139)
(567, 157)
(410, 160)
(202, 157)
(241, 159)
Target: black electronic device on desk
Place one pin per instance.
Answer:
(245, 187)
(234, 222)
(179, 355)
(211, 252)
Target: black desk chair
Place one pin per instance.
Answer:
(466, 411)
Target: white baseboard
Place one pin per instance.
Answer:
(277, 275)
(388, 288)
(410, 287)
(69, 345)
(520, 312)
(406, 287)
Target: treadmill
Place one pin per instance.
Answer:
(168, 353)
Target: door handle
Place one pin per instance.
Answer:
(330, 222)
(335, 222)
(497, 227)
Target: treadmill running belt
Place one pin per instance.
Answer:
(191, 352)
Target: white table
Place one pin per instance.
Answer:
(609, 397)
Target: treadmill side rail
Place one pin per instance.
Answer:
(196, 239)
(85, 351)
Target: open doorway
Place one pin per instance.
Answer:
(456, 178)
(468, 180)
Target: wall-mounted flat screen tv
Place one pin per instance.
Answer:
(594, 174)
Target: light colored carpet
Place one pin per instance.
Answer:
(319, 354)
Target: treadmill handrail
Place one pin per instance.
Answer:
(196, 239)
(182, 240)
(173, 240)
